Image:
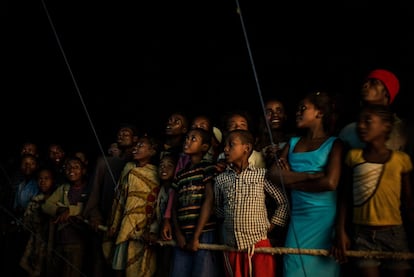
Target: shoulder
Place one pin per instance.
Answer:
(337, 142)
(353, 156)
(349, 128)
(403, 157)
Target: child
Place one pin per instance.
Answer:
(34, 257)
(273, 133)
(23, 189)
(166, 173)
(192, 212)
(379, 187)
(203, 122)
(56, 159)
(134, 213)
(174, 133)
(66, 204)
(273, 136)
(310, 167)
(240, 120)
(240, 201)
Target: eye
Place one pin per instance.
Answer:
(302, 108)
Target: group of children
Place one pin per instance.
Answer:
(305, 189)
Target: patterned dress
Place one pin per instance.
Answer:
(134, 213)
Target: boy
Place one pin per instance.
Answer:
(240, 201)
(192, 211)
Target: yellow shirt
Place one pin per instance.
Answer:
(377, 188)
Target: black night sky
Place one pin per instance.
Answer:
(71, 67)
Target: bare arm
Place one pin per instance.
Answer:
(344, 203)
(305, 181)
(177, 230)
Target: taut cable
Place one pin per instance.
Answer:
(259, 91)
(77, 89)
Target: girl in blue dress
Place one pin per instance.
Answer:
(309, 167)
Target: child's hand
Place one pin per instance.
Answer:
(271, 227)
(271, 152)
(193, 245)
(166, 233)
(283, 164)
(339, 247)
(62, 217)
(221, 166)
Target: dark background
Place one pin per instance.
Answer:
(73, 70)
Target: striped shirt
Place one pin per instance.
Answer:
(190, 184)
(240, 201)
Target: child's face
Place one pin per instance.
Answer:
(166, 169)
(275, 114)
(373, 92)
(29, 148)
(143, 151)
(45, 180)
(28, 166)
(237, 122)
(235, 150)
(56, 154)
(306, 114)
(126, 138)
(193, 143)
(175, 125)
(370, 127)
(202, 123)
(74, 170)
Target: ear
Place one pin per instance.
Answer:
(388, 127)
(247, 148)
(205, 147)
(319, 114)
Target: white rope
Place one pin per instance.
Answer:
(301, 251)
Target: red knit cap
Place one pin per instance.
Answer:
(389, 79)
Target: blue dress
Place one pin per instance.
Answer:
(312, 217)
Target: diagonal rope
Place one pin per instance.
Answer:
(75, 83)
(259, 91)
(80, 97)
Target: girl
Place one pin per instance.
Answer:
(310, 167)
(133, 214)
(379, 187)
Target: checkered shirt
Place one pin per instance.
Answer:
(240, 201)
